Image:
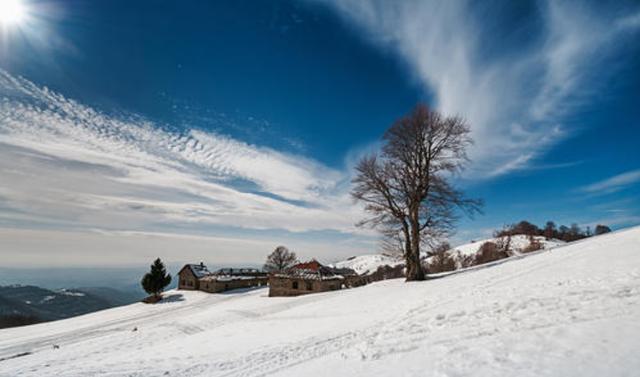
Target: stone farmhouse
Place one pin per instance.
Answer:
(301, 279)
(310, 277)
(198, 277)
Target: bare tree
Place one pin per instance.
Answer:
(406, 186)
(280, 259)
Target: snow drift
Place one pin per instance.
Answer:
(568, 311)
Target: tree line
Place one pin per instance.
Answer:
(551, 230)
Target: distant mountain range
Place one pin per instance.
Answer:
(27, 304)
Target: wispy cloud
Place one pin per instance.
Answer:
(613, 184)
(516, 100)
(66, 165)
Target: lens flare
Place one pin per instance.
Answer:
(11, 12)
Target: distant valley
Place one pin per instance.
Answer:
(28, 304)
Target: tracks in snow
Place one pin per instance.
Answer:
(429, 321)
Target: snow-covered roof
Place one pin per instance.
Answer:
(314, 270)
(309, 275)
(230, 277)
(199, 270)
(239, 271)
(224, 274)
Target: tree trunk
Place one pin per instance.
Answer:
(407, 252)
(414, 269)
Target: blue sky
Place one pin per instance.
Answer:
(218, 130)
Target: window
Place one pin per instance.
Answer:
(309, 286)
(294, 285)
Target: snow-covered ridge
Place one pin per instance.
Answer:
(568, 311)
(518, 243)
(364, 264)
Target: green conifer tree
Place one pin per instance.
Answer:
(156, 279)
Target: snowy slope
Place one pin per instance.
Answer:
(369, 263)
(569, 311)
(518, 243)
(364, 264)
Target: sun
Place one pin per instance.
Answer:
(11, 12)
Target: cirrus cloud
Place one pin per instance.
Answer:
(613, 184)
(67, 165)
(516, 100)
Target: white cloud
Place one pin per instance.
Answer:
(613, 184)
(66, 165)
(515, 102)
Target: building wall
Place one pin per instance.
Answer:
(187, 280)
(289, 286)
(214, 286)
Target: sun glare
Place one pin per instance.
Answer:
(11, 12)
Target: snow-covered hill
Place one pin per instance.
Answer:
(518, 243)
(365, 264)
(569, 311)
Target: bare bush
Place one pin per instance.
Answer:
(534, 244)
(465, 261)
(489, 252)
(441, 261)
(504, 244)
(386, 272)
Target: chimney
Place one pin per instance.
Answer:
(201, 264)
